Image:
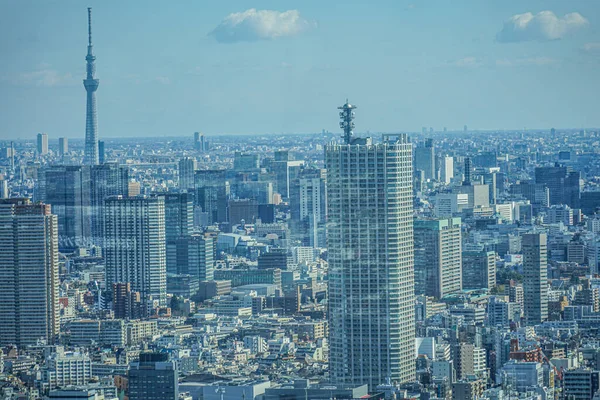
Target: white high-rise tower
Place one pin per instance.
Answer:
(134, 246)
(370, 255)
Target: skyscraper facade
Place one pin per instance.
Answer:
(108, 179)
(370, 242)
(67, 189)
(179, 220)
(134, 246)
(425, 159)
(438, 260)
(312, 209)
(153, 377)
(91, 85)
(29, 309)
(535, 283)
(195, 257)
(187, 168)
(63, 146)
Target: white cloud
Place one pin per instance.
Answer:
(44, 77)
(252, 25)
(593, 47)
(542, 26)
(528, 61)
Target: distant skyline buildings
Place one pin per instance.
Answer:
(42, 144)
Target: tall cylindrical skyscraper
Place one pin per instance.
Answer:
(91, 85)
(370, 255)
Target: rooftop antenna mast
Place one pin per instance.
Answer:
(347, 121)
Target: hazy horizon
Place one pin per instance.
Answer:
(283, 67)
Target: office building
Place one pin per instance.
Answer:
(153, 377)
(108, 179)
(276, 258)
(581, 384)
(29, 308)
(242, 210)
(200, 142)
(179, 221)
(134, 240)
(302, 389)
(286, 172)
(370, 239)
(522, 375)
(245, 162)
(63, 146)
(446, 169)
(42, 144)
(478, 268)
(101, 152)
(537, 193)
(564, 186)
(266, 213)
(187, 169)
(67, 189)
(438, 259)
(195, 257)
(312, 202)
(91, 85)
(212, 193)
(535, 284)
(425, 159)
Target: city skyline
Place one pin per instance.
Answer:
(223, 60)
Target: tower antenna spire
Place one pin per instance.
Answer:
(347, 121)
(89, 26)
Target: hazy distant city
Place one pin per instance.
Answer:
(241, 260)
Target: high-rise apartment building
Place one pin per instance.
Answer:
(187, 168)
(535, 283)
(42, 144)
(438, 259)
(134, 246)
(370, 241)
(63, 146)
(29, 309)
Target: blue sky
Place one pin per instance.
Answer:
(172, 68)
